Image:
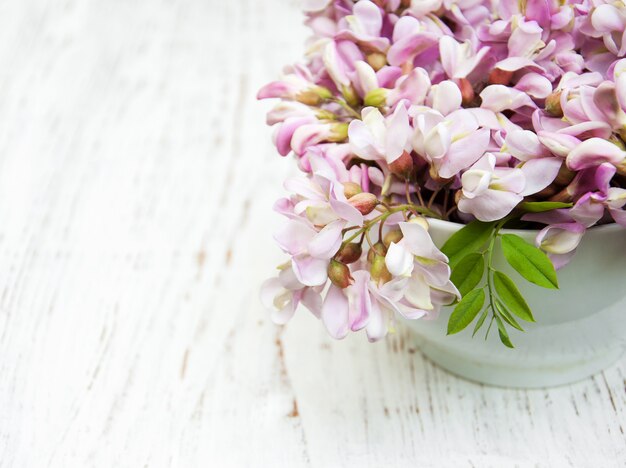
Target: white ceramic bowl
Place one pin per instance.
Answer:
(580, 329)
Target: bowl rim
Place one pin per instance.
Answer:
(454, 227)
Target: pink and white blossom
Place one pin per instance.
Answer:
(451, 109)
(379, 138)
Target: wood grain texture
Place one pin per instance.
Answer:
(136, 183)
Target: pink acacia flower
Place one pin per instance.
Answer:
(524, 43)
(593, 152)
(415, 292)
(377, 138)
(315, 5)
(567, 227)
(411, 39)
(289, 110)
(608, 22)
(560, 241)
(596, 109)
(419, 9)
(412, 88)
(460, 109)
(446, 136)
(365, 304)
(321, 199)
(459, 60)
(284, 293)
(498, 98)
(298, 79)
(365, 79)
(560, 238)
(339, 58)
(600, 198)
(535, 85)
(417, 258)
(364, 26)
(310, 249)
(317, 214)
(538, 163)
(490, 192)
(615, 203)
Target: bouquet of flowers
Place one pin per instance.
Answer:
(489, 113)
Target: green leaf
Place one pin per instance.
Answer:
(511, 297)
(466, 311)
(506, 315)
(504, 336)
(467, 240)
(529, 261)
(540, 207)
(480, 322)
(468, 272)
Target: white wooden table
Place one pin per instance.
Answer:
(136, 185)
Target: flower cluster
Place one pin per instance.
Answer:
(460, 110)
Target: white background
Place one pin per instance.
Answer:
(136, 185)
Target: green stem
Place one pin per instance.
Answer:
(348, 108)
(491, 269)
(396, 209)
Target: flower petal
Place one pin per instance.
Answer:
(560, 238)
(361, 301)
(491, 205)
(539, 174)
(593, 152)
(310, 271)
(377, 325)
(399, 261)
(417, 241)
(294, 236)
(446, 97)
(335, 313)
(418, 292)
(326, 243)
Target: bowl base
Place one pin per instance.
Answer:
(519, 376)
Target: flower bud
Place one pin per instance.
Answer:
(467, 92)
(498, 76)
(379, 248)
(550, 191)
(309, 98)
(338, 132)
(323, 114)
(432, 172)
(376, 60)
(350, 189)
(565, 176)
(553, 105)
(364, 202)
(421, 220)
(618, 142)
(403, 166)
(394, 236)
(379, 271)
(457, 196)
(314, 95)
(339, 274)
(350, 95)
(376, 97)
(349, 253)
(564, 196)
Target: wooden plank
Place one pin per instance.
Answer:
(136, 183)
